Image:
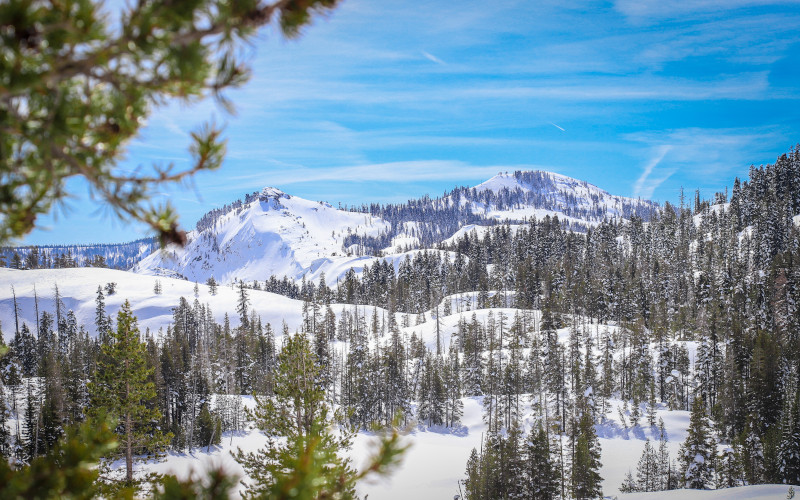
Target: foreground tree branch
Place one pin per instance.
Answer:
(74, 90)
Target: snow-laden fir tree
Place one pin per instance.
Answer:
(698, 453)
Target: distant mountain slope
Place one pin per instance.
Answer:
(78, 290)
(526, 194)
(507, 197)
(114, 255)
(273, 233)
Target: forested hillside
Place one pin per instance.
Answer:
(114, 255)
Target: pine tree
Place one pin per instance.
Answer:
(32, 438)
(121, 389)
(752, 453)
(586, 465)
(789, 447)
(432, 398)
(729, 472)
(242, 303)
(101, 321)
(668, 479)
(299, 414)
(209, 427)
(647, 470)
(212, 285)
(473, 485)
(629, 484)
(540, 477)
(698, 451)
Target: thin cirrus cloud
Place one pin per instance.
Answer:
(645, 185)
(433, 58)
(742, 86)
(404, 172)
(721, 152)
(654, 10)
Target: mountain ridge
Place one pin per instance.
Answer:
(271, 232)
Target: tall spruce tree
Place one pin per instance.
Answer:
(540, 477)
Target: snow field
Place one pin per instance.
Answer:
(78, 290)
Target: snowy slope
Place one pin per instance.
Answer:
(78, 290)
(274, 234)
(555, 195)
(757, 492)
(437, 457)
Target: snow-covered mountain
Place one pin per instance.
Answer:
(274, 233)
(537, 194)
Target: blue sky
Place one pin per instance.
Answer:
(385, 101)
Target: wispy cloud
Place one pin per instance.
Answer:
(641, 11)
(718, 151)
(402, 172)
(645, 186)
(433, 58)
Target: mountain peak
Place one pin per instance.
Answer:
(272, 192)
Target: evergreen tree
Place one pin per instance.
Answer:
(586, 464)
(102, 322)
(242, 303)
(540, 477)
(32, 438)
(432, 397)
(729, 471)
(647, 470)
(789, 447)
(299, 414)
(698, 452)
(121, 388)
(212, 285)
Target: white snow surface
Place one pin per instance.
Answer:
(437, 457)
(78, 290)
(758, 492)
(587, 196)
(275, 234)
